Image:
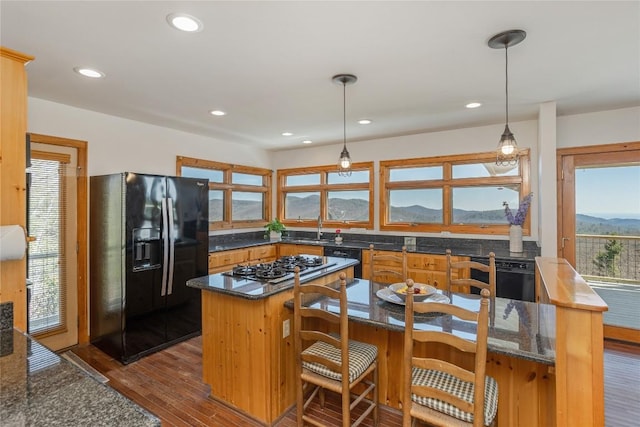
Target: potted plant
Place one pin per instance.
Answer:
(275, 229)
(338, 237)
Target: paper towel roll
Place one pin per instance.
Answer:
(13, 242)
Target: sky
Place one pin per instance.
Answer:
(611, 192)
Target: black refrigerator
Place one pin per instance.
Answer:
(148, 235)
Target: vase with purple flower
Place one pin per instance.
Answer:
(516, 221)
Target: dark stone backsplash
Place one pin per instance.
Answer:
(471, 247)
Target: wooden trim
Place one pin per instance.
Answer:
(82, 226)
(602, 148)
(227, 188)
(447, 184)
(14, 55)
(622, 334)
(323, 188)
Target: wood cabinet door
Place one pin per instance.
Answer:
(265, 253)
(222, 261)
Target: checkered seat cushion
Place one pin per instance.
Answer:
(462, 389)
(361, 356)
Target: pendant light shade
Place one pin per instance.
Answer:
(344, 164)
(507, 152)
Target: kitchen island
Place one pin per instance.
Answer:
(248, 354)
(247, 348)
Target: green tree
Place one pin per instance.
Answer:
(605, 261)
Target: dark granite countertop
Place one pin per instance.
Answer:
(38, 388)
(517, 328)
(251, 289)
(463, 247)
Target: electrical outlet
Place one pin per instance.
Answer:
(409, 241)
(286, 328)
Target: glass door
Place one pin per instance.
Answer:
(601, 234)
(52, 259)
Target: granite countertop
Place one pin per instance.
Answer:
(517, 328)
(460, 247)
(252, 289)
(38, 388)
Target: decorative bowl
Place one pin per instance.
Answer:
(421, 290)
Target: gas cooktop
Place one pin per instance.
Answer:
(280, 270)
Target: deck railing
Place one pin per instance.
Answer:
(609, 257)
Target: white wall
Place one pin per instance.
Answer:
(119, 145)
(605, 127)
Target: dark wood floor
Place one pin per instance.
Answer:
(169, 384)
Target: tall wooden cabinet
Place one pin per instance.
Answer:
(13, 196)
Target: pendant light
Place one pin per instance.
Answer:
(344, 164)
(507, 153)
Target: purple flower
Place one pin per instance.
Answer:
(521, 215)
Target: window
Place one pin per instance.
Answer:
(239, 196)
(304, 194)
(459, 194)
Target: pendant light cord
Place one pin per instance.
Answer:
(506, 82)
(344, 114)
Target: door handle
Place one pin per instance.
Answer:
(563, 240)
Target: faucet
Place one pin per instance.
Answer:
(319, 227)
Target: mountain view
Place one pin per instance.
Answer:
(586, 224)
(358, 210)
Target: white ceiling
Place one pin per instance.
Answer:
(269, 64)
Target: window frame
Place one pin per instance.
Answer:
(227, 187)
(447, 183)
(324, 188)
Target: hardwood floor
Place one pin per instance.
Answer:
(169, 385)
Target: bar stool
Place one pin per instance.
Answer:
(331, 361)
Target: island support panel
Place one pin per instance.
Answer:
(526, 388)
(246, 360)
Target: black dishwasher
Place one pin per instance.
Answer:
(341, 252)
(514, 279)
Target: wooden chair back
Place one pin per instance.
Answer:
(326, 361)
(387, 267)
(303, 336)
(463, 284)
(478, 348)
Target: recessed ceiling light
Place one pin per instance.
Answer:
(217, 113)
(184, 22)
(89, 72)
(364, 122)
(307, 141)
(287, 134)
(473, 105)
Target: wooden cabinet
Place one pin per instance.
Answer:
(226, 260)
(13, 207)
(264, 253)
(422, 268)
(287, 249)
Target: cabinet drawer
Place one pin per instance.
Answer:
(219, 259)
(287, 249)
(260, 252)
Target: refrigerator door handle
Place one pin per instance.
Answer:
(172, 248)
(165, 247)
